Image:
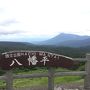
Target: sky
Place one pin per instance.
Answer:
(36, 20)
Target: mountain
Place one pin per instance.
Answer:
(66, 40)
(76, 43)
(13, 44)
(70, 40)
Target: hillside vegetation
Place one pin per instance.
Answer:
(68, 51)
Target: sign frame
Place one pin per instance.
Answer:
(13, 59)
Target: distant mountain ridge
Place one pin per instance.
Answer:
(76, 43)
(66, 40)
(70, 40)
(13, 44)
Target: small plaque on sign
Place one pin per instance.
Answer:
(14, 59)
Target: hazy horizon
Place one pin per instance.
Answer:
(35, 40)
(38, 20)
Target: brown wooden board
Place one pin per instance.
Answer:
(15, 59)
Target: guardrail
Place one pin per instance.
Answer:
(9, 77)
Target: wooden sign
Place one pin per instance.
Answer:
(14, 59)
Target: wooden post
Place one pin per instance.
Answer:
(9, 80)
(87, 77)
(51, 79)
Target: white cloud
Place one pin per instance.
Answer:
(8, 22)
(37, 18)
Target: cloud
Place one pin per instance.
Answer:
(5, 32)
(8, 22)
(42, 18)
(1, 10)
